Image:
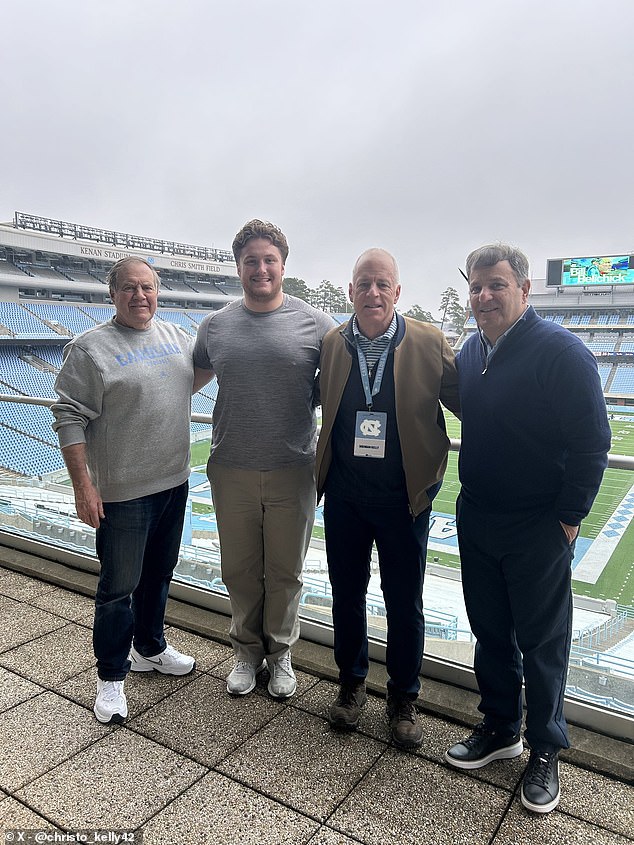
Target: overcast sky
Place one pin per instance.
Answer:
(427, 128)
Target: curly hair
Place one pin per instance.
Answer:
(260, 229)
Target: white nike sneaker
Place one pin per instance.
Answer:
(111, 704)
(168, 662)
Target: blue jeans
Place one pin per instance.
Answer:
(137, 542)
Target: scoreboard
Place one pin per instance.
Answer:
(591, 270)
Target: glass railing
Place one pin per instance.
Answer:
(37, 514)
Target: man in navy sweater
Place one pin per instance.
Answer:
(535, 438)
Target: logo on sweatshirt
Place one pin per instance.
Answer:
(148, 353)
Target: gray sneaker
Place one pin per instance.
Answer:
(283, 682)
(242, 678)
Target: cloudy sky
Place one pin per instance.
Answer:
(427, 128)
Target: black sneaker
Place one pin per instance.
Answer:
(407, 731)
(345, 710)
(540, 787)
(482, 747)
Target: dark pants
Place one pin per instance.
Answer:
(516, 571)
(402, 547)
(137, 545)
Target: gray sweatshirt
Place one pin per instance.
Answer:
(126, 393)
(265, 362)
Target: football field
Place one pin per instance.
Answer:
(617, 579)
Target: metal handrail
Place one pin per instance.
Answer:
(614, 461)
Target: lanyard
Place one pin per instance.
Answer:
(378, 378)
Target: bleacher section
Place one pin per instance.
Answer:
(29, 419)
(179, 318)
(601, 346)
(28, 456)
(41, 272)
(28, 444)
(195, 316)
(54, 282)
(623, 381)
(8, 268)
(99, 313)
(21, 323)
(70, 317)
(22, 376)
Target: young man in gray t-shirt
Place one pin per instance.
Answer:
(264, 350)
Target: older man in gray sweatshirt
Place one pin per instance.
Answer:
(123, 425)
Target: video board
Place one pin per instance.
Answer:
(591, 270)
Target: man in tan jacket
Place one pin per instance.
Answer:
(381, 456)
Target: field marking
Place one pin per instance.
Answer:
(602, 548)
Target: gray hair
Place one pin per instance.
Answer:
(491, 254)
(375, 250)
(113, 273)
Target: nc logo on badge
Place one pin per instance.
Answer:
(370, 428)
(369, 434)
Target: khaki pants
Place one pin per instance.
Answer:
(265, 520)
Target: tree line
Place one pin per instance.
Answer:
(333, 300)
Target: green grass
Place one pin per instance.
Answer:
(617, 579)
(199, 453)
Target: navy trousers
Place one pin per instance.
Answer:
(138, 543)
(516, 574)
(401, 542)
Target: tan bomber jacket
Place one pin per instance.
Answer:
(424, 375)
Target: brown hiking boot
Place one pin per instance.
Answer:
(345, 710)
(407, 732)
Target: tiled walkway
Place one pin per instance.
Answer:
(192, 765)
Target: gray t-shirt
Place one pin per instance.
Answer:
(126, 394)
(266, 364)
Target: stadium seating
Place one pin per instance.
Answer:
(29, 419)
(623, 381)
(25, 455)
(179, 318)
(601, 346)
(53, 355)
(21, 376)
(21, 323)
(72, 318)
(7, 268)
(99, 313)
(195, 316)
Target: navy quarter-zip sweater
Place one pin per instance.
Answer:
(535, 432)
